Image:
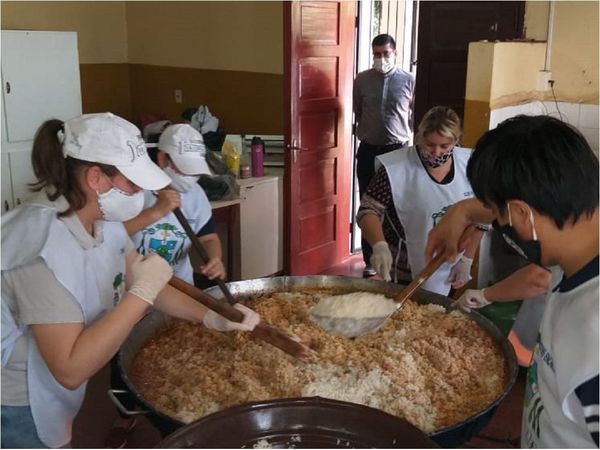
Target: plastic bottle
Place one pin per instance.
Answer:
(245, 167)
(257, 151)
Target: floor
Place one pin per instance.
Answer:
(97, 414)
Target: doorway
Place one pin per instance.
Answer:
(445, 29)
(432, 40)
(374, 17)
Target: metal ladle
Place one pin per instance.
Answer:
(354, 327)
(357, 326)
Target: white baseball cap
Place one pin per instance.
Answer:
(185, 146)
(108, 139)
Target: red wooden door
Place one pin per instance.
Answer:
(318, 72)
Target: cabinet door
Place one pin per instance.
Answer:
(40, 78)
(7, 198)
(259, 229)
(21, 175)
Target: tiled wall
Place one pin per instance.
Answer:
(582, 116)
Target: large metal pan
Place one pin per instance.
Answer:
(451, 436)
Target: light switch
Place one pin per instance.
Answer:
(178, 96)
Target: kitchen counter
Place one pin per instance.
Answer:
(251, 228)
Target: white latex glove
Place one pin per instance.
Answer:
(381, 260)
(472, 298)
(217, 322)
(460, 273)
(149, 275)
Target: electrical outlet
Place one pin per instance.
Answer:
(543, 80)
(178, 96)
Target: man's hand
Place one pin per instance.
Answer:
(381, 260)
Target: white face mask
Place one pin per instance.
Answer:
(181, 183)
(384, 65)
(119, 206)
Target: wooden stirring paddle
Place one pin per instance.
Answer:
(263, 331)
(199, 249)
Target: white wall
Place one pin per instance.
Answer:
(582, 116)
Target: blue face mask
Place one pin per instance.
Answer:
(531, 249)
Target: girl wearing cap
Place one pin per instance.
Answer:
(73, 286)
(181, 154)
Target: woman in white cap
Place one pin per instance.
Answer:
(73, 287)
(181, 154)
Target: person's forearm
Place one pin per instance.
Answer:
(74, 353)
(447, 236)
(177, 304)
(474, 211)
(527, 282)
(371, 228)
(473, 245)
(212, 245)
(147, 217)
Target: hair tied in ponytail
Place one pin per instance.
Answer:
(60, 135)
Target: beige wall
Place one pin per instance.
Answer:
(220, 35)
(499, 74)
(536, 19)
(100, 26)
(574, 63)
(480, 62)
(574, 47)
(241, 36)
(227, 55)
(515, 71)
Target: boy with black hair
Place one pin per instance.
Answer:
(536, 178)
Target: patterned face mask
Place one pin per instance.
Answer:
(434, 161)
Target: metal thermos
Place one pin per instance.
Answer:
(257, 154)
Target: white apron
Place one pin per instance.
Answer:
(167, 237)
(95, 277)
(421, 202)
(565, 356)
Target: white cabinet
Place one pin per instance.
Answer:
(40, 81)
(7, 198)
(261, 226)
(40, 78)
(17, 173)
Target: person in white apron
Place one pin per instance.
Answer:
(181, 154)
(536, 179)
(73, 287)
(422, 183)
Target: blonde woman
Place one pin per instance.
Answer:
(411, 191)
